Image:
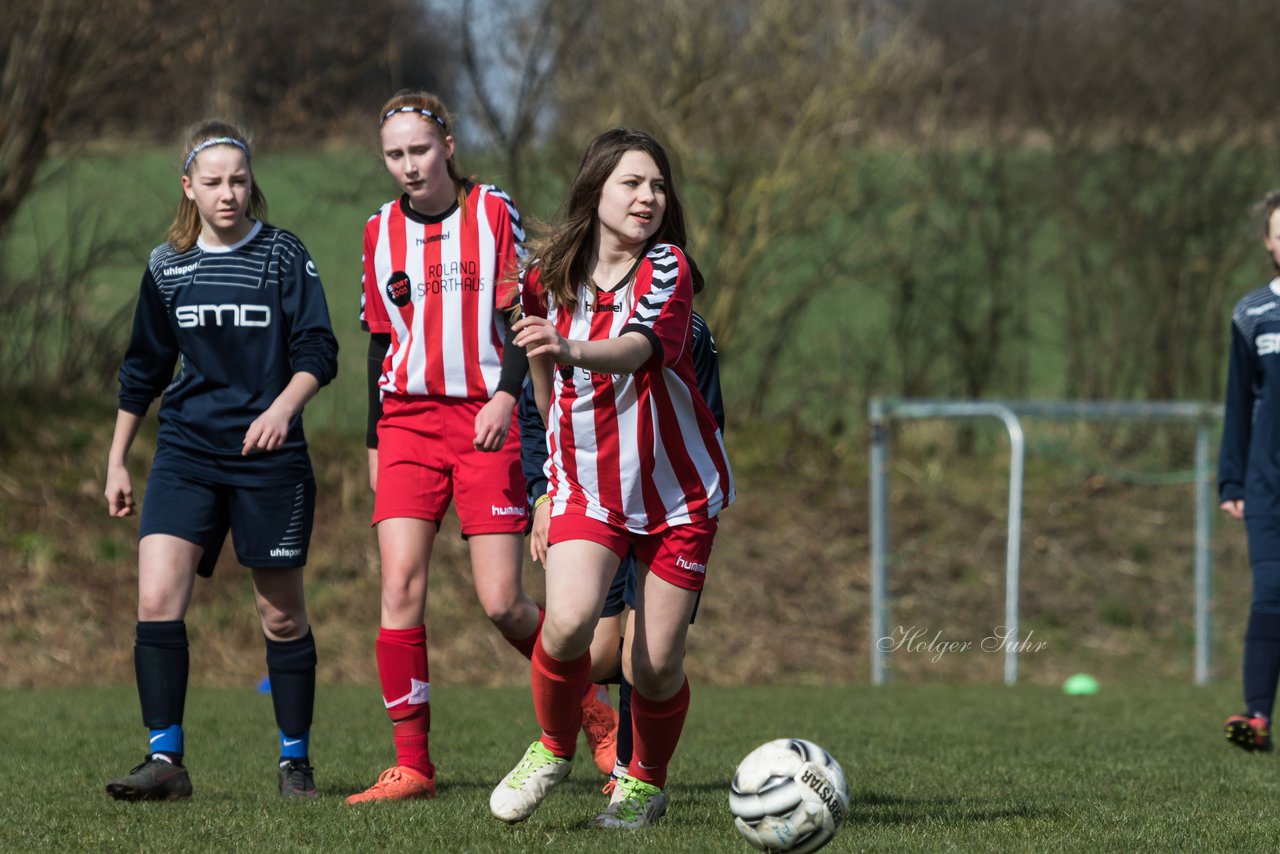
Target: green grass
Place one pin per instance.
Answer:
(931, 768)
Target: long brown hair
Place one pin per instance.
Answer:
(563, 254)
(185, 227)
(420, 99)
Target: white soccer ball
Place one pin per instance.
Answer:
(789, 795)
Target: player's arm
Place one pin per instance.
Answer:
(270, 429)
(622, 355)
(379, 345)
(493, 421)
(313, 355)
(145, 372)
(119, 489)
(1233, 457)
(374, 320)
(533, 460)
(706, 368)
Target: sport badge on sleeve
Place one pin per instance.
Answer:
(398, 288)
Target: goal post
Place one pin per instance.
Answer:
(884, 411)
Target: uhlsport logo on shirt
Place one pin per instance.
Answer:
(1257, 309)
(508, 511)
(181, 271)
(691, 566)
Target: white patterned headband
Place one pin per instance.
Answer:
(209, 143)
(422, 111)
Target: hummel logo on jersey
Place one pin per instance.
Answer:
(615, 308)
(508, 511)
(691, 565)
(181, 271)
(228, 314)
(433, 238)
(1268, 343)
(286, 552)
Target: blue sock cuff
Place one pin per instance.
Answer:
(296, 746)
(167, 740)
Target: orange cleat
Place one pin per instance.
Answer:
(600, 726)
(1249, 732)
(400, 783)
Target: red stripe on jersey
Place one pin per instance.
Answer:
(673, 444)
(604, 410)
(432, 314)
(470, 244)
(654, 507)
(396, 242)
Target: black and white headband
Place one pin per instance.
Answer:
(422, 111)
(209, 143)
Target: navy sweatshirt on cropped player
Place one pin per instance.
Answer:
(1249, 460)
(243, 320)
(533, 432)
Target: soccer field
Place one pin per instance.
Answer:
(930, 768)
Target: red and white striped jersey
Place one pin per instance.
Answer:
(438, 285)
(641, 451)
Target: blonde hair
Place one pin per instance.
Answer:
(186, 225)
(431, 110)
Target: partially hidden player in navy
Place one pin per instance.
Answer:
(236, 305)
(1249, 482)
(607, 643)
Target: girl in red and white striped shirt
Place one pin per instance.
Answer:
(443, 380)
(636, 460)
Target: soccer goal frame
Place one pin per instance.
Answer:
(883, 412)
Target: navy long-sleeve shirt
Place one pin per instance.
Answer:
(241, 322)
(533, 432)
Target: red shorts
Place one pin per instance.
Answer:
(677, 555)
(426, 458)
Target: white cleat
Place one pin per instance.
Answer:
(521, 791)
(635, 803)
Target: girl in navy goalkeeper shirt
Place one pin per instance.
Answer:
(1249, 483)
(236, 305)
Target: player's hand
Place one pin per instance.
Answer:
(538, 533)
(373, 469)
(538, 336)
(1234, 509)
(493, 422)
(119, 491)
(268, 431)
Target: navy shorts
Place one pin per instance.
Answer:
(622, 590)
(270, 525)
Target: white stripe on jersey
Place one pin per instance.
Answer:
(450, 331)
